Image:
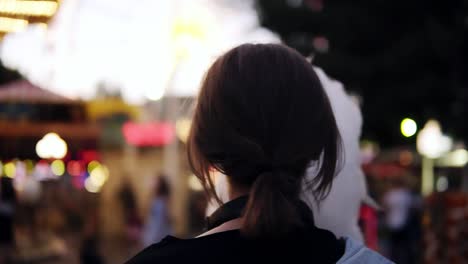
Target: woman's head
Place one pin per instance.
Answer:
(262, 116)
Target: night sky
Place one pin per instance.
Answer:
(405, 58)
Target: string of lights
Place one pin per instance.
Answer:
(15, 15)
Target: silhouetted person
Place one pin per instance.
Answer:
(89, 251)
(132, 220)
(158, 224)
(8, 201)
(401, 220)
(7, 210)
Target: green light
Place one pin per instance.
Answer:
(408, 127)
(93, 165)
(29, 165)
(58, 167)
(10, 169)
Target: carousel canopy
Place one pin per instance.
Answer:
(24, 91)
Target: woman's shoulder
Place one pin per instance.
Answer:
(231, 247)
(356, 252)
(176, 250)
(152, 252)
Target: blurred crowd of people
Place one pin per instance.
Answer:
(51, 221)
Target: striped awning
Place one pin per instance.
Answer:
(24, 91)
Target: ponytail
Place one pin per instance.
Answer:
(272, 209)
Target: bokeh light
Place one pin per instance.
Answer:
(51, 146)
(99, 176)
(408, 127)
(12, 24)
(431, 142)
(28, 8)
(93, 165)
(74, 168)
(29, 165)
(442, 184)
(460, 157)
(165, 53)
(10, 169)
(57, 167)
(90, 186)
(456, 158)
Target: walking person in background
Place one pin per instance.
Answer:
(7, 212)
(401, 221)
(249, 124)
(89, 251)
(158, 224)
(132, 220)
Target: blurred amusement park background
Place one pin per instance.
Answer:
(96, 97)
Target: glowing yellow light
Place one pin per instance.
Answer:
(99, 176)
(28, 8)
(188, 33)
(456, 158)
(189, 27)
(408, 127)
(58, 167)
(96, 179)
(431, 142)
(93, 165)
(90, 186)
(51, 146)
(155, 94)
(1, 168)
(183, 129)
(10, 169)
(12, 24)
(29, 165)
(42, 25)
(460, 157)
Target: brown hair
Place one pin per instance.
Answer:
(262, 116)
